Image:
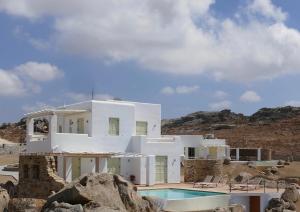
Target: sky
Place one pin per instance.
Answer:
(187, 55)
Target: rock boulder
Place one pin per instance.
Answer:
(4, 199)
(291, 194)
(101, 192)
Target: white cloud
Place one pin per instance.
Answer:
(220, 94)
(10, 84)
(266, 8)
(39, 71)
(167, 90)
(80, 97)
(174, 36)
(294, 103)
(220, 105)
(179, 89)
(23, 79)
(250, 96)
(186, 89)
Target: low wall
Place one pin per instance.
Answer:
(37, 177)
(197, 169)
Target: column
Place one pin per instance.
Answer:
(259, 154)
(103, 165)
(67, 163)
(237, 154)
(29, 125)
(150, 170)
(52, 124)
(270, 154)
(97, 164)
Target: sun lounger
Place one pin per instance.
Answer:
(214, 183)
(207, 179)
(251, 185)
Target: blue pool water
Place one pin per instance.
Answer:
(176, 194)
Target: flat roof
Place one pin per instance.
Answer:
(46, 112)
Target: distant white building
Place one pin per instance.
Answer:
(117, 137)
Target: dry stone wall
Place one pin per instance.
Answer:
(37, 177)
(197, 169)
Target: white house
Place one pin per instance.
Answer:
(117, 137)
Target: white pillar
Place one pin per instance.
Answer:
(237, 154)
(68, 168)
(259, 154)
(60, 166)
(29, 126)
(103, 165)
(52, 124)
(150, 170)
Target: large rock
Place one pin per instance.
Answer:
(25, 205)
(64, 207)
(4, 199)
(100, 192)
(243, 177)
(291, 194)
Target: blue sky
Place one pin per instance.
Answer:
(187, 55)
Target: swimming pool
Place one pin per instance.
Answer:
(171, 199)
(176, 194)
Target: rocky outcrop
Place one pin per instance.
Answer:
(243, 177)
(287, 201)
(100, 192)
(26, 205)
(14, 132)
(269, 128)
(291, 194)
(4, 200)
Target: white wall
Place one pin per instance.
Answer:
(88, 165)
(134, 166)
(173, 169)
(151, 113)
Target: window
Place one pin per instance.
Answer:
(80, 126)
(35, 171)
(70, 126)
(191, 152)
(141, 128)
(60, 129)
(25, 171)
(114, 126)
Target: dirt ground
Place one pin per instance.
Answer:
(9, 159)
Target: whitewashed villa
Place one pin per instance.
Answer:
(117, 137)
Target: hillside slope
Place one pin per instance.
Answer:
(269, 128)
(14, 132)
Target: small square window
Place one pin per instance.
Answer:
(141, 128)
(114, 126)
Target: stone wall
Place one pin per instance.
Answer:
(197, 169)
(37, 177)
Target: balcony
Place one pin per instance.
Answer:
(169, 145)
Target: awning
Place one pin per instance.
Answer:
(49, 112)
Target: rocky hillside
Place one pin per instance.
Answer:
(14, 132)
(269, 128)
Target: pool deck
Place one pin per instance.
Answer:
(221, 188)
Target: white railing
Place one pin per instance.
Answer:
(162, 139)
(36, 138)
